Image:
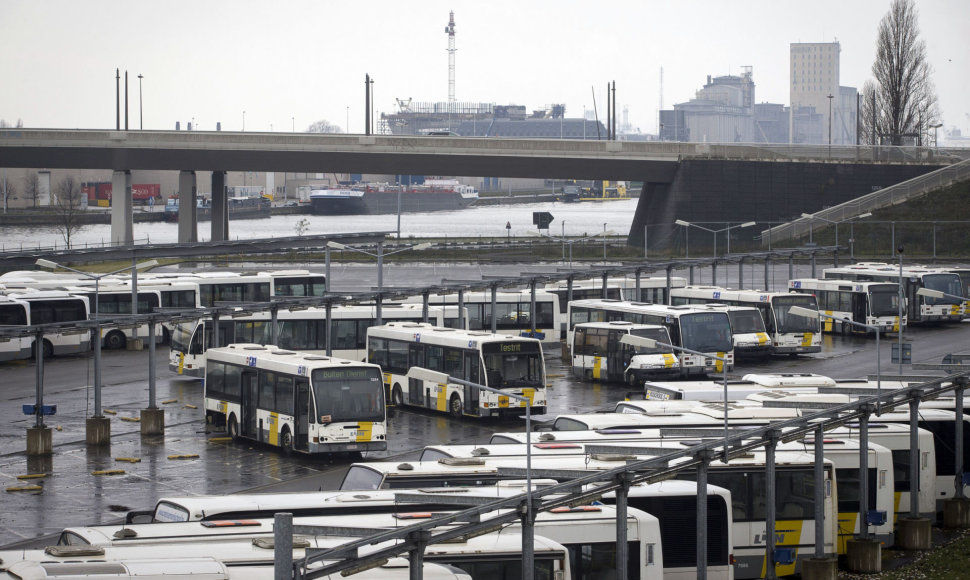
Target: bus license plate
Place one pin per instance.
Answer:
(351, 446)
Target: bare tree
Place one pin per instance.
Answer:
(32, 188)
(68, 209)
(901, 100)
(323, 126)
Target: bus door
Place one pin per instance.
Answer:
(617, 356)
(416, 358)
(248, 402)
(472, 365)
(860, 303)
(302, 415)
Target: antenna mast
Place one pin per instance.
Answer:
(450, 31)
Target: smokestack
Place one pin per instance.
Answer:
(126, 100)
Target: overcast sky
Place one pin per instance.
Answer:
(288, 64)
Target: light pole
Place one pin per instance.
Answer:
(830, 124)
(687, 224)
(244, 121)
(97, 342)
(851, 221)
(141, 120)
(379, 255)
(644, 342)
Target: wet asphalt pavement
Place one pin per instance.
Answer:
(188, 460)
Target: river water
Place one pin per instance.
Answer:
(486, 221)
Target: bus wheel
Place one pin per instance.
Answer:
(397, 396)
(233, 428)
(48, 349)
(286, 442)
(454, 407)
(115, 340)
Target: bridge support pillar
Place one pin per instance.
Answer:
(220, 207)
(121, 219)
(188, 211)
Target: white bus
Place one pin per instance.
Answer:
(918, 308)
(114, 301)
(874, 304)
(513, 312)
(598, 354)
(789, 334)
(513, 364)
(53, 306)
(748, 330)
(245, 286)
(302, 330)
(13, 314)
(296, 401)
(698, 329)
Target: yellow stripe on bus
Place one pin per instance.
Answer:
(528, 394)
(787, 533)
(274, 434)
(669, 360)
(441, 398)
(597, 362)
(807, 339)
(762, 339)
(847, 524)
(365, 430)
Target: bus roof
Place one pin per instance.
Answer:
(288, 360)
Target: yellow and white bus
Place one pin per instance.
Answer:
(598, 353)
(699, 329)
(917, 308)
(513, 364)
(790, 334)
(296, 401)
(874, 304)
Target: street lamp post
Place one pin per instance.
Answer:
(379, 255)
(97, 327)
(141, 119)
(687, 224)
(244, 121)
(830, 124)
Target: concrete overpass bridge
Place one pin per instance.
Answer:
(699, 182)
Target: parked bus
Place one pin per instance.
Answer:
(296, 401)
(246, 286)
(53, 307)
(698, 329)
(875, 304)
(513, 312)
(15, 313)
(789, 334)
(511, 363)
(115, 300)
(748, 330)
(598, 353)
(918, 309)
(302, 330)
(652, 289)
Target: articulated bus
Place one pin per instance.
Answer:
(245, 286)
(510, 363)
(790, 334)
(302, 330)
(698, 329)
(296, 401)
(918, 308)
(50, 307)
(598, 353)
(874, 304)
(513, 312)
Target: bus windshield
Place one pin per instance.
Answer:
(513, 365)
(884, 301)
(658, 334)
(948, 283)
(788, 322)
(746, 321)
(348, 394)
(706, 332)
